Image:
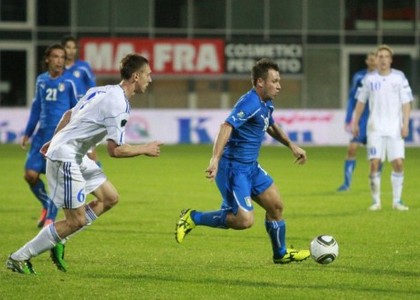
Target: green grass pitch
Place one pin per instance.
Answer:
(131, 253)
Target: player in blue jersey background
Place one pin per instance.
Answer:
(55, 93)
(238, 175)
(82, 73)
(84, 77)
(350, 161)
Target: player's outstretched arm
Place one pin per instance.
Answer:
(219, 144)
(279, 135)
(127, 150)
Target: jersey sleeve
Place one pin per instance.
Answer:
(115, 121)
(362, 93)
(351, 102)
(72, 93)
(245, 108)
(34, 114)
(89, 78)
(406, 95)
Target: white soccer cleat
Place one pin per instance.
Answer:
(375, 207)
(400, 206)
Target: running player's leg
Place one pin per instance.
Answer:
(376, 154)
(266, 194)
(236, 212)
(396, 154)
(34, 167)
(349, 166)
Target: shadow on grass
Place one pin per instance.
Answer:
(223, 283)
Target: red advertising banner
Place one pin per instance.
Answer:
(166, 56)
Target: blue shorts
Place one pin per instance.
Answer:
(35, 161)
(238, 183)
(362, 138)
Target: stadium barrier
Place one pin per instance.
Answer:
(320, 127)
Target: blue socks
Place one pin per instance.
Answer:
(349, 166)
(277, 232)
(41, 194)
(215, 218)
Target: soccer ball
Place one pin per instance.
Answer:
(324, 249)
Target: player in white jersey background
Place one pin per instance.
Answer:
(390, 97)
(101, 113)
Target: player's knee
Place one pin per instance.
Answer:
(275, 211)
(246, 221)
(31, 178)
(111, 200)
(398, 165)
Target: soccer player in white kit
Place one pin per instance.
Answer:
(101, 113)
(390, 97)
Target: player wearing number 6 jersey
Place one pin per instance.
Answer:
(101, 113)
(390, 98)
(55, 93)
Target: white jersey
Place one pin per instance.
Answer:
(102, 112)
(386, 95)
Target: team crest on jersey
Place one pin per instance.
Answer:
(123, 122)
(61, 87)
(240, 114)
(76, 74)
(248, 201)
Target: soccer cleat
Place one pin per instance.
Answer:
(292, 255)
(400, 206)
(375, 207)
(20, 266)
(42, 218)
(343, 188)
(57, 256)
(184, 225)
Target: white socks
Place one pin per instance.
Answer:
(397, 180)
(375, 187)
(43, 241)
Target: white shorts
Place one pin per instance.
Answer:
(69, 182)
(381, 147)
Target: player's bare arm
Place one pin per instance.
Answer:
(221, 140)
(127, 150)
(65, 119)
(279, 135)
(360, 106)
(24, 142)
(406, 118)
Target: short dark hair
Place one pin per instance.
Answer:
(130, 64)
(47, 53)
(260, 69)
(68, 38)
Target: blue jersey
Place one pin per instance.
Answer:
(52, 98)
(250, 119)
(351, 104)
(83, 77)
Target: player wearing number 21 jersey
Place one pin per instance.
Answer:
(55, 93)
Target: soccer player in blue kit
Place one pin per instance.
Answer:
(55, 93)
(84, 78)
(237, 173)
(350, 161)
